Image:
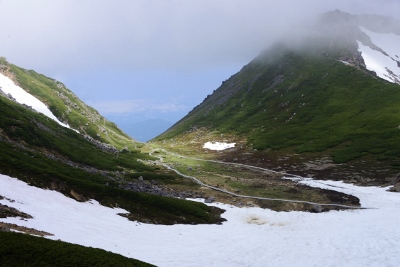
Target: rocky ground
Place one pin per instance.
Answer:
(322, 167)
(6, 211)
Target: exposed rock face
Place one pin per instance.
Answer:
(103, 146)
(152, 187)
(78, 196)
(5, 70)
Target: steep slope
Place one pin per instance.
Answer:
(37, 148)
(67, 107)
(55, 253)
(312, 103)
(342, 238)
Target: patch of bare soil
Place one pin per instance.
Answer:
(269, 184)
(6, 211)
(316, 166)
(13, 227)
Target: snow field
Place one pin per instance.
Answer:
(250, 237)
(377, 61)
(218, 145)
(22, 97)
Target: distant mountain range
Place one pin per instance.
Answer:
(145, 130)
(324, 101)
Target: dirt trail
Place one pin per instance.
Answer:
(245, 196)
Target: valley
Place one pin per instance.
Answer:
(250, 235)
(293, 159)
(266, 188)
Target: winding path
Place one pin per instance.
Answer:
(245, 196)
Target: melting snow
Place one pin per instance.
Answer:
(377, 61)
(22, 97)
(345, 62)
(218, 145)
(250, 237)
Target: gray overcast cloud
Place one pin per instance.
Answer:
(71, 34)
(153, 58)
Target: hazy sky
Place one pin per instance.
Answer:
(139, 59)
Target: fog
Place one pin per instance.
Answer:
(63, 35)
(167, 55)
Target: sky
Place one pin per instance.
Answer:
(136, 60)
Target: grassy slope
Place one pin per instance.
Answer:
(69, 109)
(24, 250)
(27, 137)
(305, 103)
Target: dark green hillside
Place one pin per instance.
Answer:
(24, 250)
(37, 150)
(305, 102)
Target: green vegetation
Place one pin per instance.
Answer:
(40, 133)
(37, 150)
(306, 103)
(68, 107)
(254, 182)
(24, 250)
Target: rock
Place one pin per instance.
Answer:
(395, 188)
(317, 208)
(209, 200)
(140, 178)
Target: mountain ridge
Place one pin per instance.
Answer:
(89, 163)
(67, 107)
(311, 95)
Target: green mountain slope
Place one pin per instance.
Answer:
(23, 250)
(67, 107)
(304, 104)
(39, 151)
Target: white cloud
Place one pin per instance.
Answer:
(136, 106)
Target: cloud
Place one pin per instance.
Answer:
(70, 35)
(149, 50)
(129, 107)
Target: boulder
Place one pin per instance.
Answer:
(317, 208)
(395, 187)
(209, 200)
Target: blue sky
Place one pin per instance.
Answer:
(135, 60)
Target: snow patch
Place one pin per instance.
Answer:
(345, 62)
(23, 97)
(218, 145)
(385, 66)
(250, 237)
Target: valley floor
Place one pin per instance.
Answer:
(250, 237)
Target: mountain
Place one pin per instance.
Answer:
(66, 106)
(69, 147)
(323, 102)
(311, 106)
(145, 130)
